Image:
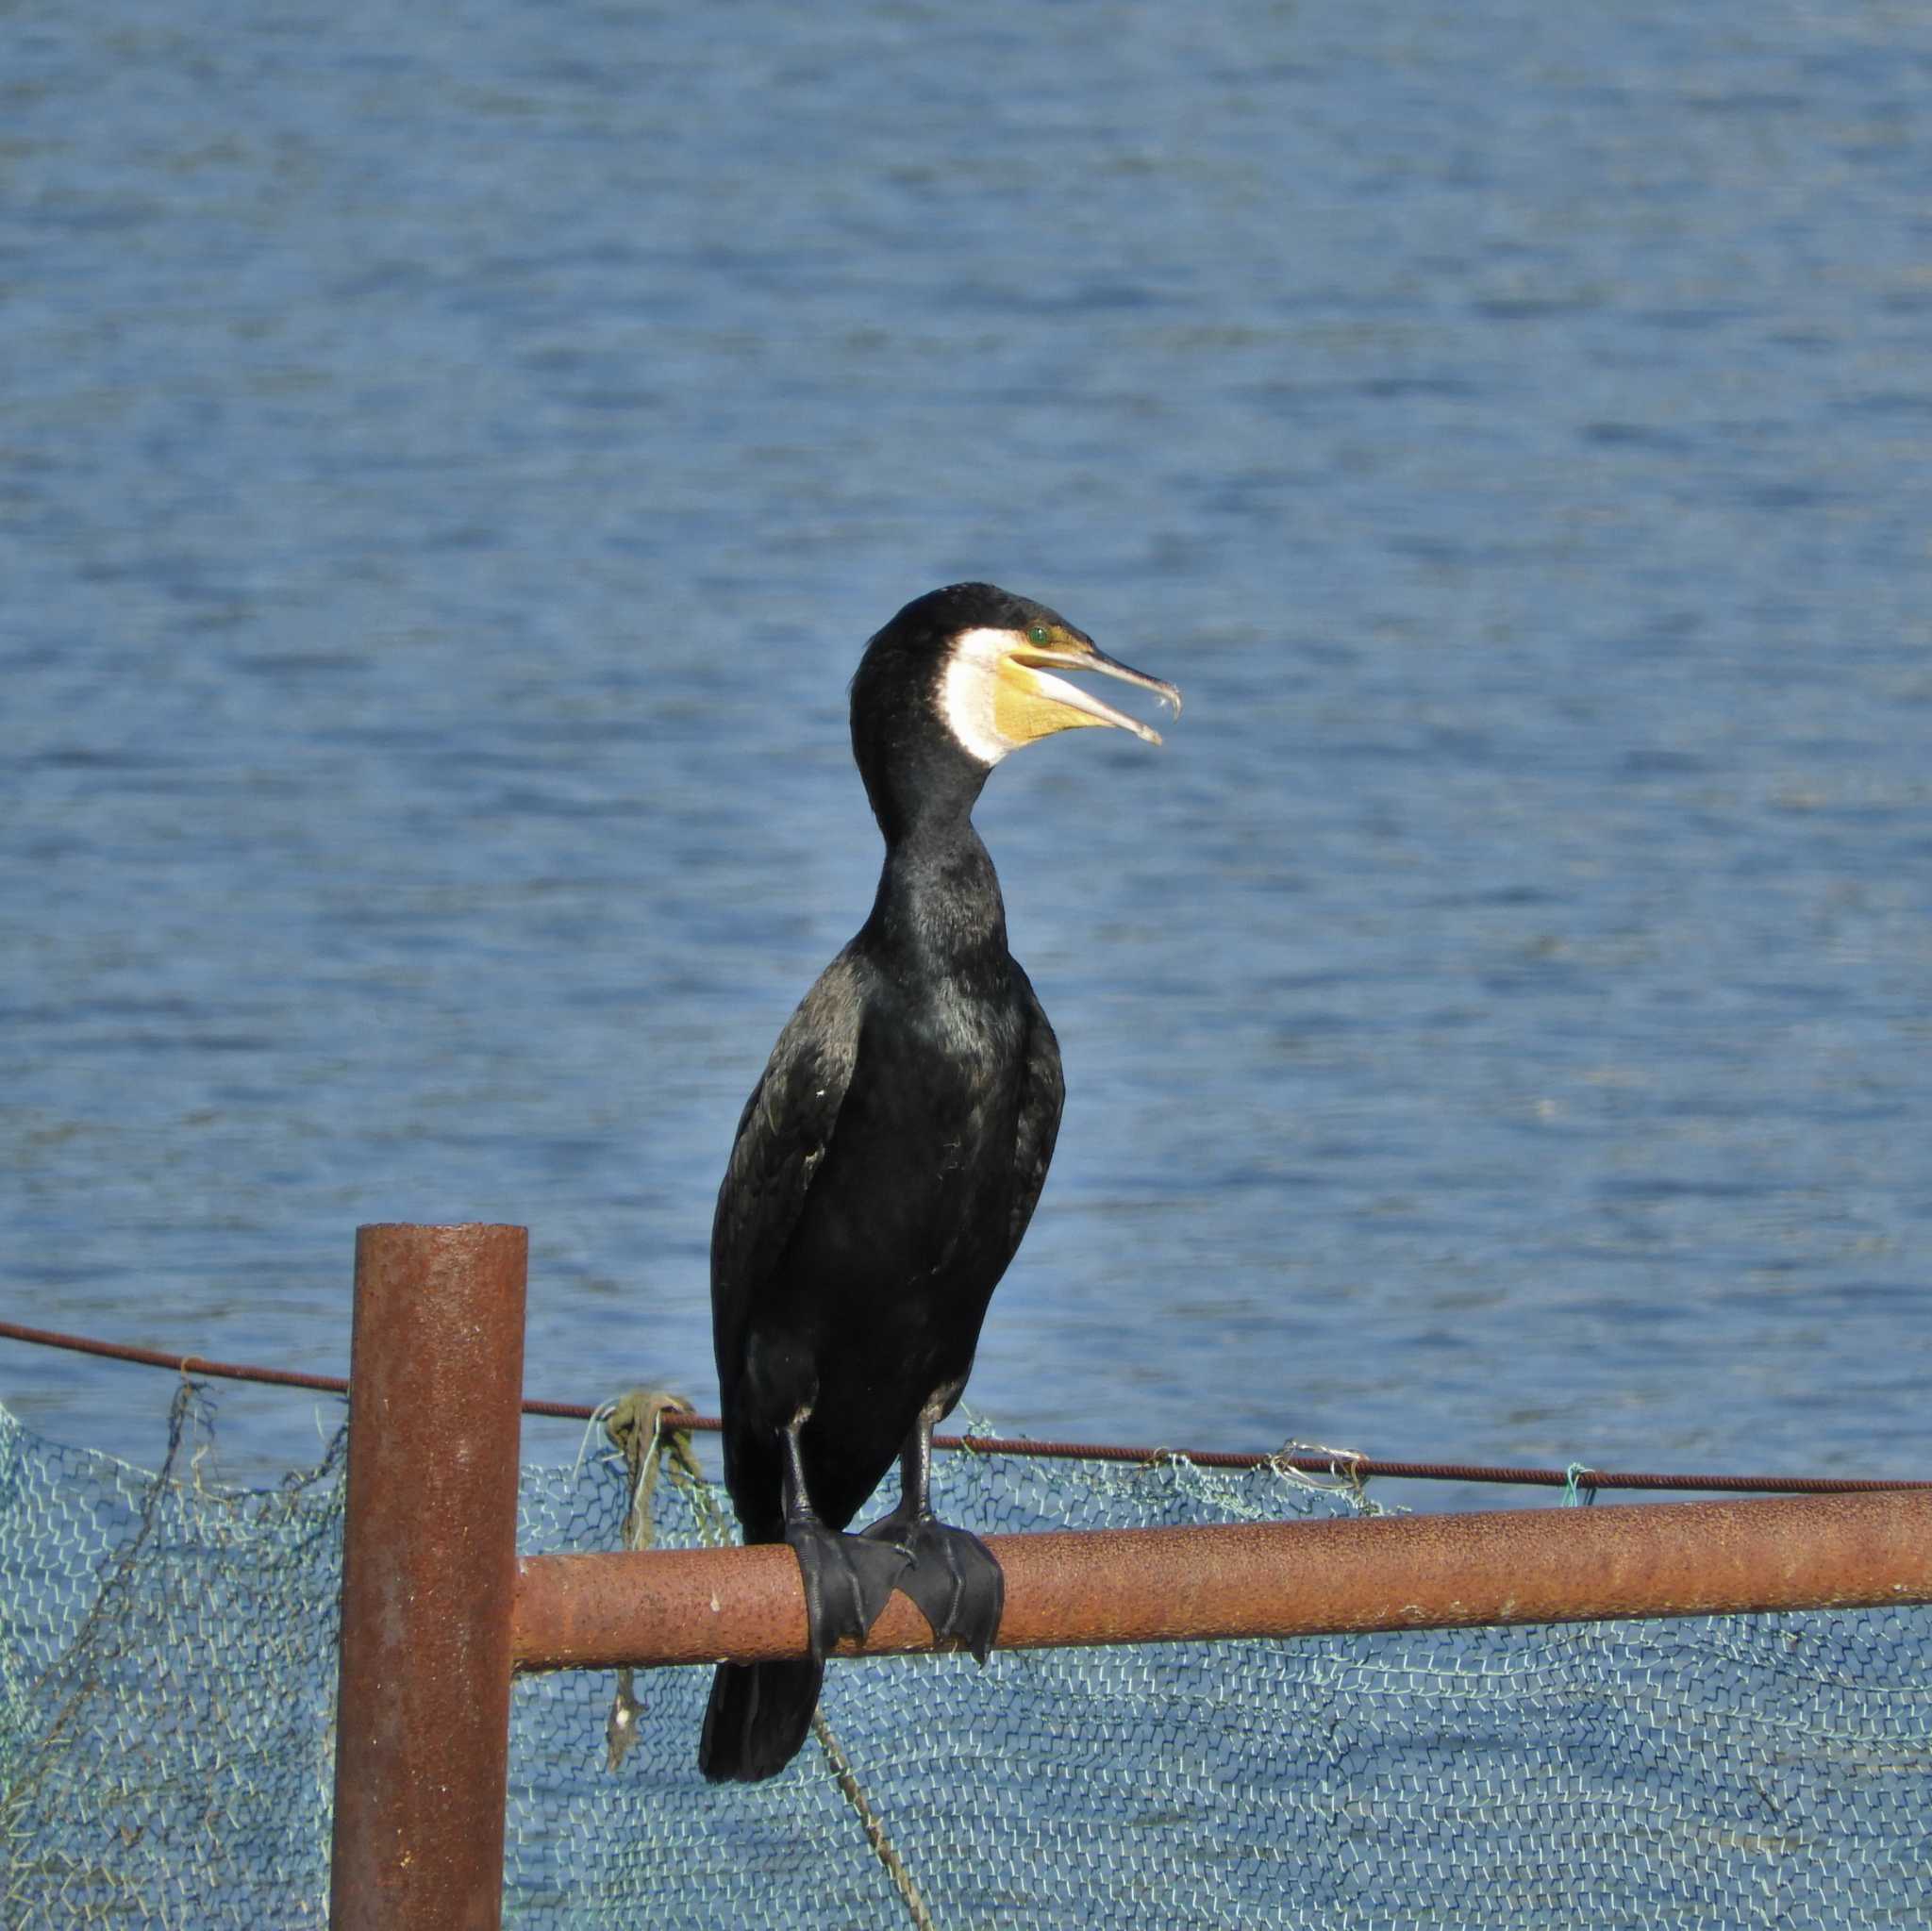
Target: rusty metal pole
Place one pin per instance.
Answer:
(436, 1375)
(1269, 1579)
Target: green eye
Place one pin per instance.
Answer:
(1037, 636)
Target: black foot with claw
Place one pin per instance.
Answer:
(959, 1588)
(846, 1581)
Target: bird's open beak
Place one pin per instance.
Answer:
(1031, 704)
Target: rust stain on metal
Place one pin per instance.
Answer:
(1268, 1579)
(429, 1579)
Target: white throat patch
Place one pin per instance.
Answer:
(967, 693)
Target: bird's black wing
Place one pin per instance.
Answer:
(1042, 1093)
(782, 1136)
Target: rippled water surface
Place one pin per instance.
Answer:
(451, 460)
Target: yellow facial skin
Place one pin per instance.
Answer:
(1027, 704)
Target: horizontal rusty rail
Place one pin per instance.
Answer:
(1267, 1579)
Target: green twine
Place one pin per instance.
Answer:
(1574, 1495)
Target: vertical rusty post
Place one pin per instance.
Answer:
(429, 1579)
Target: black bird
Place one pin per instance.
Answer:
(889, 1161)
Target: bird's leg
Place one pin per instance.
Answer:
(846, 1580)
(954, 1578)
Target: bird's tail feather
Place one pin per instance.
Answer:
(756, 1718)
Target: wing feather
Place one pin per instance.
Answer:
(787, 1125)
(1042, 1097)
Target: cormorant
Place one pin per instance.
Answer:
(888, 1160)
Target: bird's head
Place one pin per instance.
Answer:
(969, 670)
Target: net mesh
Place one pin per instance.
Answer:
(167, 1675)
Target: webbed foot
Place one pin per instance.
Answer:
(847, 1581)
(954, 1578)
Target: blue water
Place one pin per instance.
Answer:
(452, 459)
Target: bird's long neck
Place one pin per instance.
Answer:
(939, 903)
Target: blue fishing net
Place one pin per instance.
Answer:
(167, 1675)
